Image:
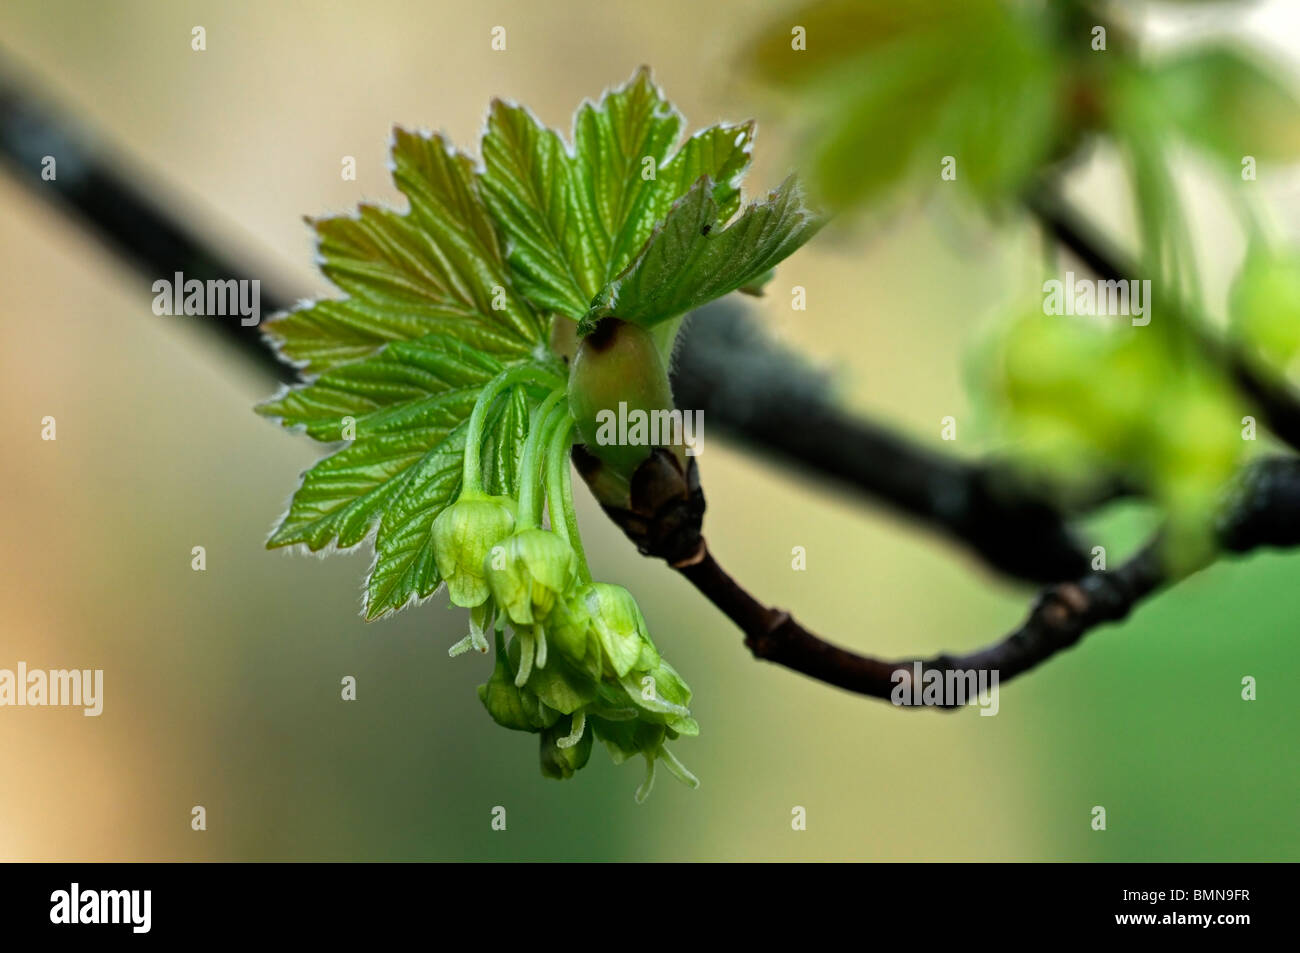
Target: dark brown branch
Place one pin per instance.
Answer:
(1263, 509)
(1060, 617)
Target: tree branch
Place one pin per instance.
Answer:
(91, 185)
(1263, 509)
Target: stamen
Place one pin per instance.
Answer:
(578, 726)
(677, 769)
(643, 791)
(525, 659)
(540, 633)
(480, 620)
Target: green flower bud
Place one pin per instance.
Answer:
(569, 629)
(617, 364)
(618, 625)
(1265, 306)
(463, 536)
(529, 572)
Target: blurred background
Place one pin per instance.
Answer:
(222, 687)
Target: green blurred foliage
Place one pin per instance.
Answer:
(1228, 102)
(1011, 91)
(1265, 307)
(893, 88)
(1082, 401)
(1006, 88)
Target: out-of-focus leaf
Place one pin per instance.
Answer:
(890, 90)
(1265, 306)
(1228, 102)
(839, 33)
(1081, 399)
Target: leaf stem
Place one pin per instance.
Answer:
(472, 476)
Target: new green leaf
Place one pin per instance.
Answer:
(692, 258)
(439, 267)
(576, 215)
(431, 316)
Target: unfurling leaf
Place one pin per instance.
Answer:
(401, 362)
(695, 257)
(575, 216)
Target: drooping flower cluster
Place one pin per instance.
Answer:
(579, 663)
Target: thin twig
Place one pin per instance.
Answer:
(1263, 509)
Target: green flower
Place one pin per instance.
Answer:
(569, 629)
(619, 627)
(556, 684)
(662, 697)
(529, 572)
(463, 536)
(626, 738)
(509, 705)
(600, 629)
